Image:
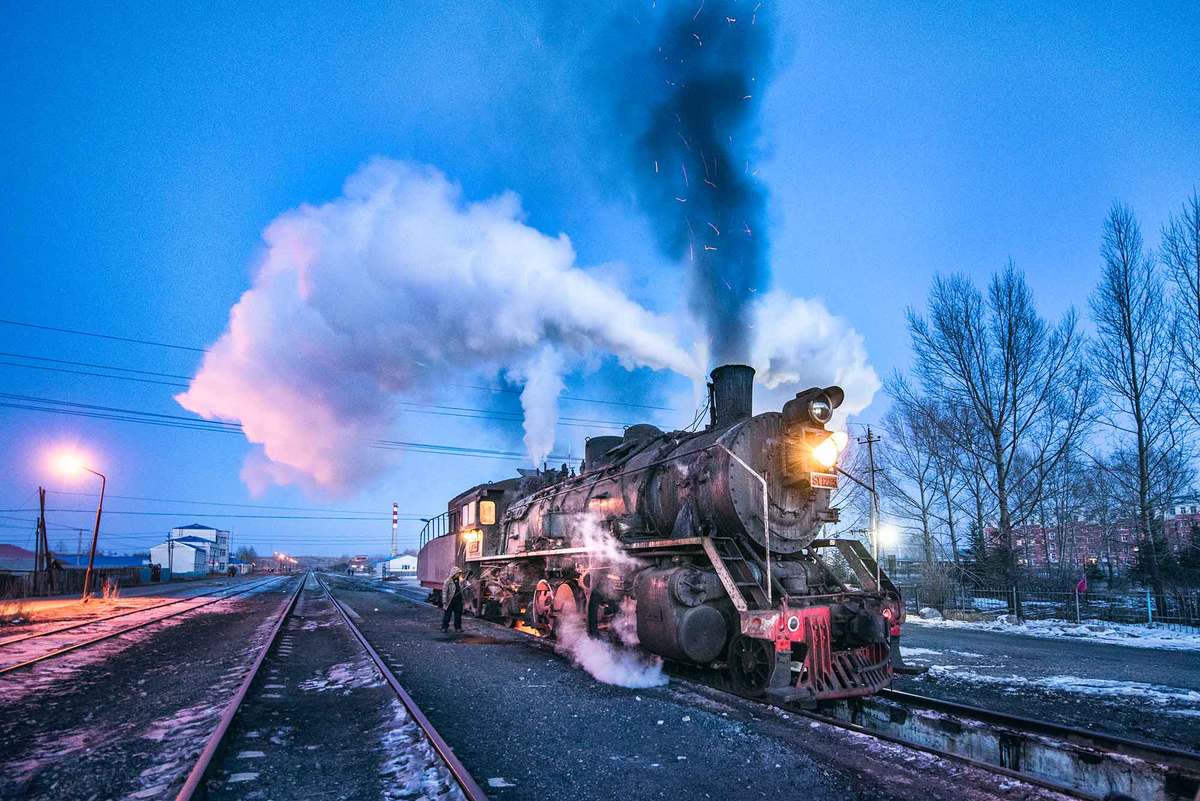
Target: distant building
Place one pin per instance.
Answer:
(359, 566)
(15, 559)
(239, 567)
(182, 558)
(71, 561)
(218, 548)
(402, 565)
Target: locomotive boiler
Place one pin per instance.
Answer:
(703, 547)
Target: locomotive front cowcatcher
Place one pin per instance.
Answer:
(703, 547)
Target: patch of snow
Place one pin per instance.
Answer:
(345, 677)
(1171, 700)
(907, 650)
(1136, 635)
(410, 768)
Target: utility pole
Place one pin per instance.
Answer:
(41, 559)
(87, 577)
(869, 440)
(78, 545)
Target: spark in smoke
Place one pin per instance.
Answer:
(702, 115)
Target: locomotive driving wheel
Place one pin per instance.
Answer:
(752, 664)
(543, 604)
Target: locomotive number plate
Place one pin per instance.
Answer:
(823, 480)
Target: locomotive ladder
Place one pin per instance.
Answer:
(741, 572)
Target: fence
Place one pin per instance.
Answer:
(1180, 611)
(70, 582)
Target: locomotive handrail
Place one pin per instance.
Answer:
(432, 525)
(766, 516)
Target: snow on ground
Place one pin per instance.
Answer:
(1139, 636)
(410, 768)
(345, 677)
(1170, 700)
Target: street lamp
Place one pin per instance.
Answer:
(70, 464)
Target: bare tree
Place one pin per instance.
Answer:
(1020, 379)
(908, 478)
(1181, 255)
(1133, 356)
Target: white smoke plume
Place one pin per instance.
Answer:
(542, 377)
(386, 290)
(799, 344)
(605, 549)
(606, 661)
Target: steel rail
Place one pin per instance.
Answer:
(90, 621)
(1185, 763)
(93, 640)
(1139, 749)
(466, 782)
(195, 777)
(1176, 763)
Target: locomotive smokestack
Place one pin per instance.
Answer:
(732, 397)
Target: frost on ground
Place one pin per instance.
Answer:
(1169, 700)
(921, 653)
(411, 770)
(345, 677)
(1140, 636)
(179, 737)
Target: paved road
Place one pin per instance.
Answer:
(1143, 693)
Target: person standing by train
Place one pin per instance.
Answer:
(452, 600)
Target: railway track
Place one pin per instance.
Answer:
(211, 755)
(85, 631)
(1073, 761)
(1076, 762)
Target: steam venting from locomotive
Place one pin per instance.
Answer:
(397, 287)
(694, 97)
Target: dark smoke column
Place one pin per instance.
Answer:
(694, 159)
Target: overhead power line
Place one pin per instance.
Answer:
(192, 348)
(225, 503)
(193, 513)
(61, 407)
(75, 332)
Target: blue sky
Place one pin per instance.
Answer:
(143, 149)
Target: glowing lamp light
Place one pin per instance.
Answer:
(471, 536)
(826, 453)
(68, 463)
(888, 535)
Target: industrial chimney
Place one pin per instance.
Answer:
(731, 394)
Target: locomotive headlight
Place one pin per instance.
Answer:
(827, 451)
(820, 410)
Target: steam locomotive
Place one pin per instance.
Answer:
(703, 546)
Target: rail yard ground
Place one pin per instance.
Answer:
(1141, 693)
(128, 717)
(119, 719)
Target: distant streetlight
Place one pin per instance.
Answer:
(71, 464)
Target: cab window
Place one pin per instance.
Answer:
(487, 513)
(468, 515)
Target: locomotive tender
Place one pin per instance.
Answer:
(668, 539)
